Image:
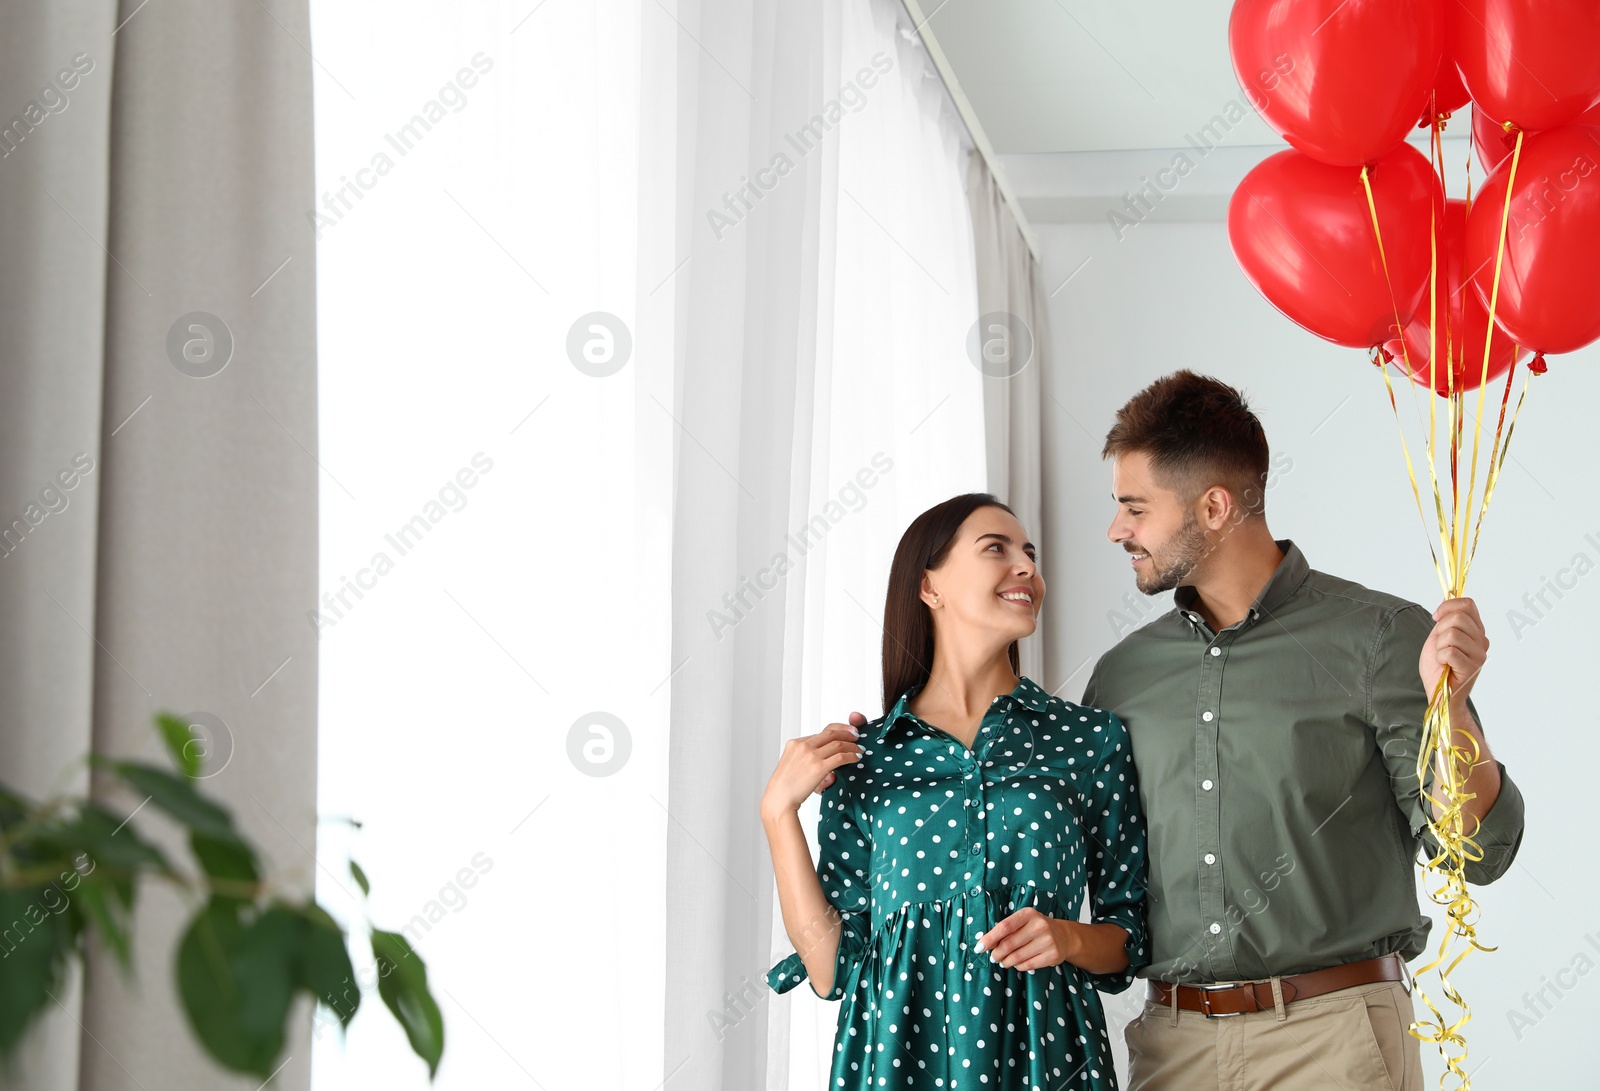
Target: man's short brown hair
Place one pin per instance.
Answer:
(1198, 432)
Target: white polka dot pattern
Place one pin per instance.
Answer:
(925, 843)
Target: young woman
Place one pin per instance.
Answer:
(958, 834)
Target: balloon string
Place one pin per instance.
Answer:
(1405, 450)
(1440, 754)
(1438, 503)
(1488, 343)
(1436, 154)
(1496, 463)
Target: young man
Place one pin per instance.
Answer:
(1276, 715)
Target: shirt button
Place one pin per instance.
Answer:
(1216, 651)
(1206, 784)
(1206, 716)
(1211, 857)
(1215, 928)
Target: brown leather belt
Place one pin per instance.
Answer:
(1223, 1000)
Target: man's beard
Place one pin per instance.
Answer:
(1177, 558)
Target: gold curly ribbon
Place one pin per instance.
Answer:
(1447, 753)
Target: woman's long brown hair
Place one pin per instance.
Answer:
(907, 621)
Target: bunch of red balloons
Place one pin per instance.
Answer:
(1345, 82)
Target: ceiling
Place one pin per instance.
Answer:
(1092, 75)
(1084, 101)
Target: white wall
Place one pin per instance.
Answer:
(1169, 295)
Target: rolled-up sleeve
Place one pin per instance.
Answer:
(1500, 834)
(844, 864)
(1397, 705)
(1114, 832)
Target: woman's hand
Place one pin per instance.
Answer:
(857, 720)
(805, 761)
(1029, 940)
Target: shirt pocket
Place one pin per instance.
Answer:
(1036, 835)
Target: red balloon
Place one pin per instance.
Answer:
(1489, 138)
(1463, 321)
(1302, 232)
(1449, 93)
(1549, 297)
(1494, 143)
(1342, 80)
(1535, 63)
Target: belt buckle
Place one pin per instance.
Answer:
(1205, 1002)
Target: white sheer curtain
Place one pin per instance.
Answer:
(902, 383)
(1015, 337)
(586, 271)
(510, 829)
(825, 397)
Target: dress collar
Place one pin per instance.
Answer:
(1285, 581)
(1027, 694)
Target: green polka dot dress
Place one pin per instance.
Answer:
(925, 844)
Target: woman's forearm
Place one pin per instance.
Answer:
(1098, 948)
(812, 923)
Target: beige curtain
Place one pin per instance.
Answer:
(1013, 345)
(158, 440)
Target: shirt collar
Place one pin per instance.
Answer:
(1285, 581)
(1027, 693)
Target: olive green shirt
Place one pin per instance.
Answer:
(1277, 765)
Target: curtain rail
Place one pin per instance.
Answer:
(969, 117)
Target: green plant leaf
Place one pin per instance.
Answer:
(213, 994)
(324, 967)
(360, 877)
(91, 904)
(264, 965)
(403, 986)
(13, 808)
(179, 798)
(231, 860)
(94, 838)
(179, 738)
(34, 943)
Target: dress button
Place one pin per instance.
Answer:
(1206, 784)
(1216, 651)
(1211, 857)
(1206, 716)
(975, 891)
(1215, 928)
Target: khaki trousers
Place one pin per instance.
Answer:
(1355, 1038)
